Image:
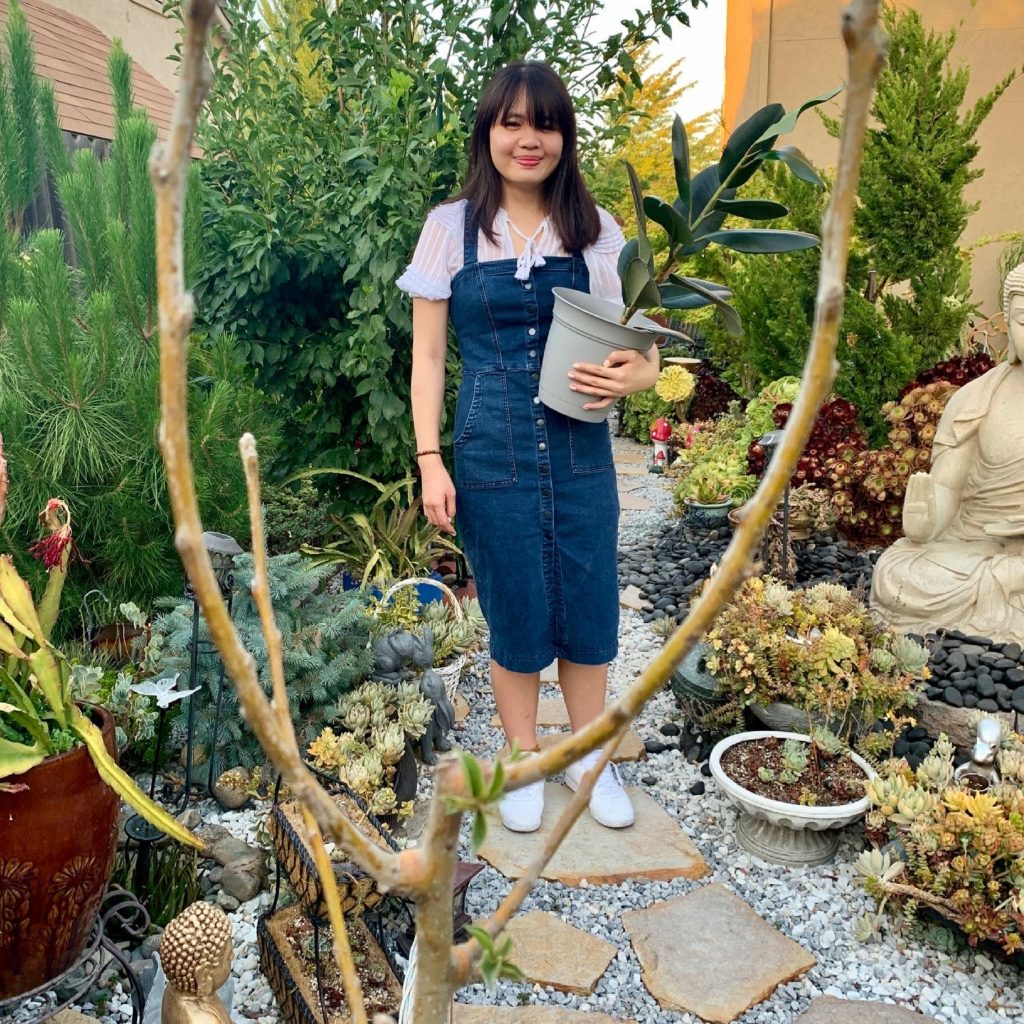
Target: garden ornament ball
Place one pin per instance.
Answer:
(195, 953)
(961, 563)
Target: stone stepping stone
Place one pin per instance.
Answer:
(555, 954)
(550, 674)
(625, 457)
(634, 503)
(654, 847)
(630, 749)
(630, 469)
(633, 599)
(708, 953)
(829, 1010)
(550, 714)
(466, 1014)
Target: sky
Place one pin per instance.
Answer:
(702, 45)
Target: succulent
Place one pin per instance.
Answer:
(766, 774)
(415, 716)
(777, 597)
(674, 384)
(795, 756)
(910, 656)
(935, 772)
(384, 801)
(827, 741)
(357, 718)
(712, 396)
(912, 805)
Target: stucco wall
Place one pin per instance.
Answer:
(146, 34)
(788, 50)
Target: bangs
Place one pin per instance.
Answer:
(547, 102)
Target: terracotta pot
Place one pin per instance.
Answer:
(57, 846)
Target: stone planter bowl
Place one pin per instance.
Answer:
(706, 517)
(779, 832)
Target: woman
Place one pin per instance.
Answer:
(537, 499)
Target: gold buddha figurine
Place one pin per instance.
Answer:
(195, 952)
(961, 563)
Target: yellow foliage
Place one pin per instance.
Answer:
(286, 20)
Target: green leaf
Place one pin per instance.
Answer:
(479, 831)
(29, 721)
(473, 774)
(497, 783)
(8, 643)
(763, 240)
(669, 218)
(17, 758)
(752, 209)
(681, 164)
(795, 160)
(744, 146)
(644, 250)
(16, 606)
(48, 678)
(630, 252)
(638, 286)
(710, 294)
(786, 124)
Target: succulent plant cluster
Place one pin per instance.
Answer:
(374, 723)
(949, 847)
(819, 649)
(452, 636)
(868, 486)
(956, 371)
(674, 384)
(712, 395)
(835, 435)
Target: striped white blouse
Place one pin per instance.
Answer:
(438, 255)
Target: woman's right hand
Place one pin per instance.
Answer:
(438, 494)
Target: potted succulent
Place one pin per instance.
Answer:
(586, 327)
(706, 496)
(818, 668)
(56, 766)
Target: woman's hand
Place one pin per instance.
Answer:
(438, 494)
(622, 373)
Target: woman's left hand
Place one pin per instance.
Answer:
(622, 373)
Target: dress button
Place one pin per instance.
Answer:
(542, 446)
(533, 353)
(534, 376)
(536, 400)
(532, 331)
(528, 286)
(540, 423)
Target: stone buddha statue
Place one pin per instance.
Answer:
(961, 563)
(195, 953)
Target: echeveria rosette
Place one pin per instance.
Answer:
(696, 217)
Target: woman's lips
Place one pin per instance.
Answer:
(527, 161)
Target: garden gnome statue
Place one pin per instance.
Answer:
(661, 432)
(981, 770)
(195, 952)
(961, 563)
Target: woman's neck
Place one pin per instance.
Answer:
(526, 207)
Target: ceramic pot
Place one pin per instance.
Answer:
(57, 846)
(706, 517)
(586, 329)
(782, 833)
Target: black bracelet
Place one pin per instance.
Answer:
(429, 451)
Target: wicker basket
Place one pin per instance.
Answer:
(451, 672)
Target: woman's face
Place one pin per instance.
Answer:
(524, 155)
(1015, 326)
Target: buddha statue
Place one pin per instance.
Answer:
(195, 953)
(961, 563)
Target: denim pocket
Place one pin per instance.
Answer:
(590, 446)
(484, 456)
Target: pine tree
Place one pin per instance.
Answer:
(326, 652)
(78, 360)
(918, 162)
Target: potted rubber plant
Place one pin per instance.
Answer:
(60, 787)
(585, 328)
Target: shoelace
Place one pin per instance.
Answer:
(609, 780)
(530, 257)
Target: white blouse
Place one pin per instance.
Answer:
(438, 255)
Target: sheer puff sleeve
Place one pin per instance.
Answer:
(602, 259)
(429, 275)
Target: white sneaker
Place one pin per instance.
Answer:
(609, 802)
(522, 809)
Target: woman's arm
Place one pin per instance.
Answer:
(429, 348)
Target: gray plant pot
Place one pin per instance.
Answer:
(707, 517)
(586, 329)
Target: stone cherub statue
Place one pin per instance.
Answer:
(195, 952)
(961, 563)
(392, 652)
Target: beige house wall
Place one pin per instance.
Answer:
(146, 34)
(788, 50)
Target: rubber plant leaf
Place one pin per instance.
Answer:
(48, 678)
(787, 123)
(630, 251)
(124, 787)
(795, 160)
(18, 758)
(714, 295)
(742, 153)
(752, 209)
(763, 240)
(16, 606)
(669, 218)
(681, 164)
(644, 250)
(639, 287)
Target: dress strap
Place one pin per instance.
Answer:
(470, 237)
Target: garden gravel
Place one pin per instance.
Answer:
(814, 906)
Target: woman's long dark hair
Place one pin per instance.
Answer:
(571, 207)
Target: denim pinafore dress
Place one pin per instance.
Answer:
(537, 502)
